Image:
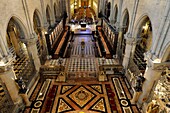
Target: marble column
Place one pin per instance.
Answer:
(1, 55)
(3, 47)
(43, 31)
(112, 12)
(119, 14)
(52, 13)
(26, 99)
(68, 9)
(120, 38)
(133, 16)
(129, 51)
(7, 76)
(33, 52)
(135, 97)
(14, 41)
(102, 4)
(43, 8)
(151, 76)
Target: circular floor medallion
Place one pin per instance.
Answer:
(81, 95)
(124, 102)
(37, 104)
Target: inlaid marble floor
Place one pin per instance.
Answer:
(82, 97)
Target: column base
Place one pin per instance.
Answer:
(26, 100)
(102, 76)
(135, 97)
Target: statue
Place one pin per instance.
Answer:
(139, 81)
(153, 107)
(21, 85)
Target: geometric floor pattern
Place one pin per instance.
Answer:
(81, 64)
(99, 106)
(83, 97)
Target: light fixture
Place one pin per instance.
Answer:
(145, 27)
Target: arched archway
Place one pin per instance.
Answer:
(15, 33)
(55, 11)
(125, 26)
(166, 54)
(38, 30)
(124, 29)
(48, 15)
(23, 65)
(107, 9)
(115, 14)
(144, 34)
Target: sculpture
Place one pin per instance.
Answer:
(139, 81)
(22, 85)
(152, 107)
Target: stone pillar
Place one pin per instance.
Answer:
(43, 31)
(120, 38)
(133, 16)
(151, 76)
(46, 25)
(102, 4)
(135, 97)
(14, 41)
(68, 9)
(52, 13)
(129, 51)
(119, 14)
(33, 53)
(3, 47)
(26, 99)
(7, 76)
(1, 55)
(112, 12)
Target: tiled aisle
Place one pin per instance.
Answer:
(82, 63)
(82, 97)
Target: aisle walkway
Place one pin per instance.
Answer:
(82, 63)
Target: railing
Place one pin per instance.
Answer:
(51, 72)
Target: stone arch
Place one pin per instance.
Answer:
(20, 23)
(49, 15)
(15, 34)
(37, 12)
(60, 8)
(145, 24)
(125, 26)
(115, 14)
(55, 11)
(143, 33)
(166, 54)
(37, 28)
(125, 19)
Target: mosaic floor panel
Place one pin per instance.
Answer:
(79, 64)
(82, 97)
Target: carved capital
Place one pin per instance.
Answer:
(31, 40)
(156, 64)
(6, 66)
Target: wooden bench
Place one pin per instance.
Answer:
(108, 54)
(57, 52)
